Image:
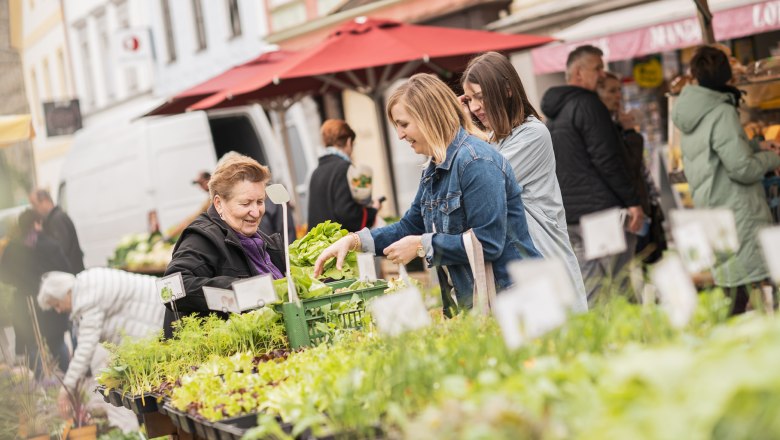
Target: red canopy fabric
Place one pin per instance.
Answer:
(362, 52)
(258, 70)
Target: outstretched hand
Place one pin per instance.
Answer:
(338, 249)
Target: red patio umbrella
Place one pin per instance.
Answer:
(261, 68)
(367, 55)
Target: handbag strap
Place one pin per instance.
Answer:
(484, 283)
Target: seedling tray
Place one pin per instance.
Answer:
(143, 404)
(235, 428)
(102, 391)
(300, 320)
(115, 397)
(180, 419)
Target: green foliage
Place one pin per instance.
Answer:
(305, 251)
(153, 364)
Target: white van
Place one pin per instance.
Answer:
(114, 176)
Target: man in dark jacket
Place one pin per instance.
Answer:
(29, 255)
(590, 162)
(58, 226)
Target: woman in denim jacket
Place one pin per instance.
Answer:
(466, 185)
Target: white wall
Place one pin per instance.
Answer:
(47, 77)
(103, 82)
(193, 66)
(535, 85)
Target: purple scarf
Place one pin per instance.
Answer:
(255, 250)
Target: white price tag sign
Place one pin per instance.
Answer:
(770, 243)
(366, 266)
(694, 247)
(675, 289)
(253, 293)
(524, 272)
(718, 224)
(170, 288)
(603, 234)
(221, 300)
(527, 312)
(399, 312)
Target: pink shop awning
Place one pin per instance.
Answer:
(656, 27)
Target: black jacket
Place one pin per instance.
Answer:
(209, 253)
(635, 155)
(331, 199)
(589, 154)
(60, 227)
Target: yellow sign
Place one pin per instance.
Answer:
(649, 74)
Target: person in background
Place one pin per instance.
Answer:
(467, 185)
(224, 244)
(590, 162)
(494, 94)
(610, 93)
(335, 183)
(723, 168)
(29, 254)
(58, 226)
(202, 181)
(108, 305)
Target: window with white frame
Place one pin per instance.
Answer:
(104, 44)
(200, 25)
(86, 65)
(130, 72)
(48, 94)
(62, 79)
(170, 41)
(234, 16)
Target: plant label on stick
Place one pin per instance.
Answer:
(279, 195)
(603, 234)
(718, 224)
(366, 266)
(255, 292)
(396, 313)
(170, 288)
(675, 289)
(770, 243)
(524, 272)
(529, 311)
(221, 300)
(694, 247)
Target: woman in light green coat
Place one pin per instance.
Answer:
(723, 168)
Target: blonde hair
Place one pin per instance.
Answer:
(233, 168)
(435, 110)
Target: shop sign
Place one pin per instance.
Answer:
(62, 117)
(649, 74)
(727, 24)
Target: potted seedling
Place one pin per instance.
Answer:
(34, 408)
(79, 426)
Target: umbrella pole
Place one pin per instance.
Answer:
(379, 103)
(282, 113)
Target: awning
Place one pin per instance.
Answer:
(15, 128)
(656, 27)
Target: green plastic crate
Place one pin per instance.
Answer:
(300, 322)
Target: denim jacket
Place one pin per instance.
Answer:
(473, 188)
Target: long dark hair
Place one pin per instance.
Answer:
(505, 101)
